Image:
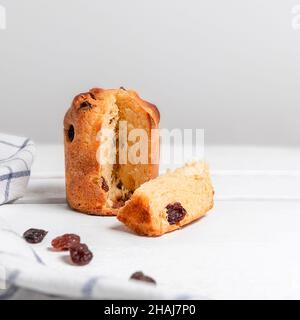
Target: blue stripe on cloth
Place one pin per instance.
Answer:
(183, 297)
(15, 175)
(6, 194)
(11, 175)
(12, 289)
(20, 159)
(36, 256)
(9, 293)
(88, 287)
(20, 148)
(10, 144)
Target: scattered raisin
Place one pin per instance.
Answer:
(175, 212)
(118, 204)
(140, 276)
(71, 133)
(65, 241)
(119, 185)
(128, 195)
(80, 254)
(104, 185)
(85, 105)
(34, 235)
(123, 88)
(93, 96)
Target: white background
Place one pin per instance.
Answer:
(231, 67)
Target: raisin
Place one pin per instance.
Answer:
(140, 276)
(123, 88)
(93, 96)
(128, 195)
(118, 204)
(175, 212)
(119, 185)
(34, 235)
(85, 105)
(65, 241)
(104, 185)
(71, 133)
(80, 254)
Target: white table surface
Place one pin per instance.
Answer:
(245, 248)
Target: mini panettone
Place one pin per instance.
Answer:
(170, 201)
(97, 181)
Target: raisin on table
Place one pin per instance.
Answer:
(140, 276)
(34, 235)
(80, 254)
(65, 241)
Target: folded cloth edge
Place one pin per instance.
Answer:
(16, 158)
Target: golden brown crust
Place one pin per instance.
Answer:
(150, 108)
(136, 215)
(142, 214)
(83, 183)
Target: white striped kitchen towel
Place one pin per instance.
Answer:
(25, 274)
(16, 158)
